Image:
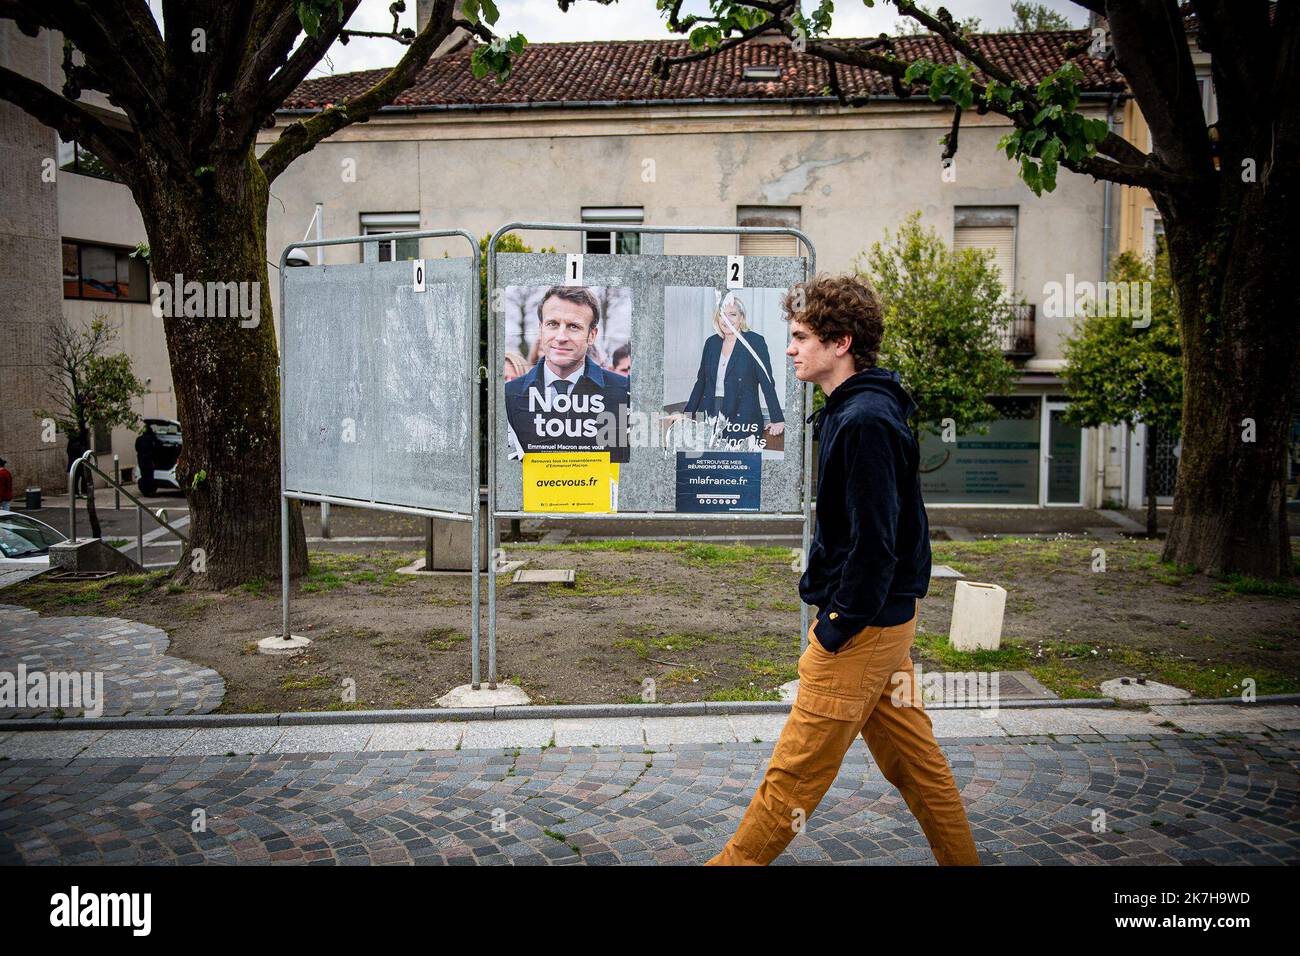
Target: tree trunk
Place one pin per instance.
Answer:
(1152, 524)
(1233, 259)
(212, 228)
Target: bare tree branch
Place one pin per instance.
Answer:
(118, 149)
(301, 136)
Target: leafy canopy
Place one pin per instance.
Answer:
(1120, 373)
(943, 314)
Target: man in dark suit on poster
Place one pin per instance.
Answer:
(567, 402)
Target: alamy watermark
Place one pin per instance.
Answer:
(53, 690)
(1071, 299)
(978, 689)
(208, 300)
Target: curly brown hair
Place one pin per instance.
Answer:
(833, 306)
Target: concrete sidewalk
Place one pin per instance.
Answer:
(1071, 723)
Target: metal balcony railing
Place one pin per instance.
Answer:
(1018, 331)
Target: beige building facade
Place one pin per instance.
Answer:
(845, 176)
(67, 233)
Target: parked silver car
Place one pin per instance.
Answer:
(25, 542)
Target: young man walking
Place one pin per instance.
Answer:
(867, 571)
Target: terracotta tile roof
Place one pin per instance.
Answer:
(556, 73)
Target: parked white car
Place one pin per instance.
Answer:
(25, 542)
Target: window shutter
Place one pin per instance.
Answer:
(1000, 240)
(769, 246)
(786, 216)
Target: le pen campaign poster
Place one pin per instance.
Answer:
(724, 375)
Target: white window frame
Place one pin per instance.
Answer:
(378, 223)
(615, 216)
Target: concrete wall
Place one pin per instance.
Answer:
(30, 283)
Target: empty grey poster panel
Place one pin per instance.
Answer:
(636, 291)
(378, 380)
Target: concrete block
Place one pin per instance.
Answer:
(966, 723)
(89, 554)
(216, 741)
(977, 611)
(47, 744)
(765, 727)
(451, 543)
(1147, 692)
(324, 739)
(567, 577)
(279, 646)
(503, 695)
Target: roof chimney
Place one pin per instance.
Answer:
(423, 9)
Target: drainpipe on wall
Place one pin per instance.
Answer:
(1106, 198)
(1105, 268)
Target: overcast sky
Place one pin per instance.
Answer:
(541, 21)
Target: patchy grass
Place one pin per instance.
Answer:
(1245, 584)
(744, 692)
(1175, 574)
(320, 579)
(443, 638)
(681, 676)
(256, 587)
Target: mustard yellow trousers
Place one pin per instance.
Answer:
(868, 688)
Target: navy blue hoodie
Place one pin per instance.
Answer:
(870, 557)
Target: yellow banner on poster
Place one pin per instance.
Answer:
(582, 482)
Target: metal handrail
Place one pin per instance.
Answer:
(87, 459)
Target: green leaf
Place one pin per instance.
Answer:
(918, 69)
(1047, 112)
(1095, 130)
(309, 19)
(1029, 173)
(490, 12)
(1050, 151)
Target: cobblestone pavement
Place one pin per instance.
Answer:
(1167, 799)
(138, 677)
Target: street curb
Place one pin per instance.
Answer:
(449, 714)
(532, 712)
(1261, 699)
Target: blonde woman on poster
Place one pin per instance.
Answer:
(734, 369)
